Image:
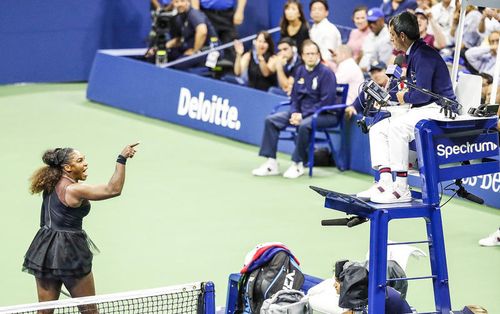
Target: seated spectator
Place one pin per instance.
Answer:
(394, 7)
(442, 12)
(358, 35)
(471, 36)
(192, 31)
(424, 18)
(285, 63)
(314, 87)
(489, 21)
(293, 23)
(377, 74)
(482, 59)
(377, 45)
(253, 63)
(322, 32)
(487, 80)
(225, 16)
(348, 71)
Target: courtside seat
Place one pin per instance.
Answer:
(322, 135)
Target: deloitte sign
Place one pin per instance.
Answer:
(214, 110)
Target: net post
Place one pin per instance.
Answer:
(209, 298)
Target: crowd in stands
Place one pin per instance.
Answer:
(264, 66)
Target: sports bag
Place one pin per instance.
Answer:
(280, 273)
(286, 302)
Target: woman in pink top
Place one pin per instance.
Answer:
(358, 35)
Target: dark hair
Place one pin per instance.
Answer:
(360, 8)
(284, 22)
(287, 40)
(46, 177)
(309, 42)
(324, 2)
(269, 41)
(406, 23)
(487, 77)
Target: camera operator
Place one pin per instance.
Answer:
(191, 32)
(390, 137)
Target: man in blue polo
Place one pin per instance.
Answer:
(314, 87)
(390, 137)
(192, 31)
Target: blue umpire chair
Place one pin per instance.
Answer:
(341, 155)
(445, 149)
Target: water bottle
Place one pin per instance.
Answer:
(161, 58)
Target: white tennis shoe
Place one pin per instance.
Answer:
(294, 171)
(392, 195)
(269, 168)
(491, 240)
(376, 189)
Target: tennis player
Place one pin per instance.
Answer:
(61, 251)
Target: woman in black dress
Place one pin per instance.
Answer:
(61, 252)
(293, 23)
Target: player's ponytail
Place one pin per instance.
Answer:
(46, 177)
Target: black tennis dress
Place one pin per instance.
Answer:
(60, 248)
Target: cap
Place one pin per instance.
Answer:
(420, 11)
(377, 65)
(374, 14)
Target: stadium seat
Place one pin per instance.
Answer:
(322, 135)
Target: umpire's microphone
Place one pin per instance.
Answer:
(394, 71)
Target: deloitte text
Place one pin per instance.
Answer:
(466, 148)
(218, 111)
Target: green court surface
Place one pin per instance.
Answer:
(191, 210)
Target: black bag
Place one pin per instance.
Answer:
(280, 273)
(323, 157)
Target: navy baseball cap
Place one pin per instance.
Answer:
(374, 14)
(377, 65)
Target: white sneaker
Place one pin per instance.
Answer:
(393, 195)
(295, 171)
(491, 240)
(269, 168)
(377, 188)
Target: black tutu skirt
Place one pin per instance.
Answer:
(58, 254)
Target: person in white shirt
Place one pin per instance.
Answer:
(348, 71)
(322, 32)
(377, 45)
(442, 12)
(489, 22)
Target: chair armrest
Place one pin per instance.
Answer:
(281, 104)
(325, 108)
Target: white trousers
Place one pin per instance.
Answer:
(389, 138)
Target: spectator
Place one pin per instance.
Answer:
(491, 240)
(489, 21)
(394, 7)
(253, 63)
(487, 80)
(315, 86)
(358, 35)
(348, 71)
(442, 12)
(377, 45)
(224, 15)
(438, 40)
(322, 32)
(471, 36)
(377, 74)
(191, 33)
(293, 23)
(285, 63)
(482, 59)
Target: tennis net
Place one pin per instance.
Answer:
(196, 298)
